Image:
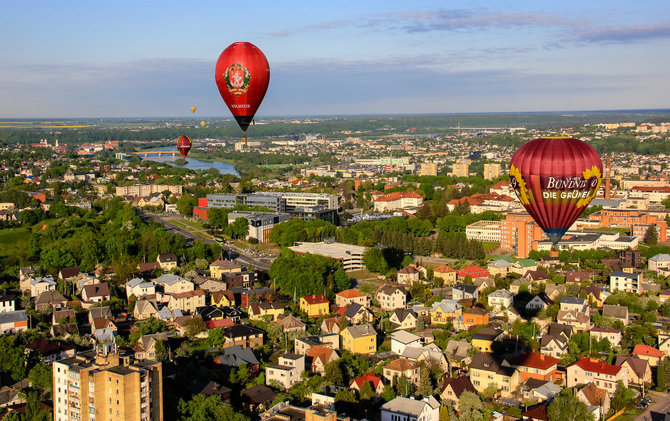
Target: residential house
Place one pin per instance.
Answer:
(500, 299)
(539, 302)
(360, 339)
(475, 316)
(578, 276)
(401, 339)
(594, 295)
(12, 322)
(330, 326)
(533, 365)
(574, 303)
(554, 291)
(664, 343)
(290, 323)
(145, 348)
(596, 398)
(484, 338)
(50, 300)
(357, 314)
(629, 282)
(235, 356)
(555, 342)
(167, 261)
(208, 284)
(402, 367)
(409, 275)
(458, 352)
(486, 370)
(575, 312)
(258, 311)
(320, 356)
(453, 388)
(445, 311)
(430, 355)
(536, 277)
(660, 261)
(664, 296)
(222, 298)
(38, 286)
(639, 370)
(483, 284)
(173, 284)
(144, 309)
(375, 382)
(465, 292)
(351, 296)
(258, 397)
(649, 353)
(95, 293)
(612, 335)
(403, 319)
(539, 390)
(50, 351)
(406, 409)
(210, 388)
(64, 316)
(169, 315)
(7, 303)
(287, 371)
(187, 301)
(521, 284)
(510, 314)
(243, 335)
(314, 305)
(303, 344)
(69, 274)
(537, 412)
(522, 266)
(220, 267)
(616, 312)
(391, 297)
(499, 267)
(589, 370)
(447, 274)
(140, 288)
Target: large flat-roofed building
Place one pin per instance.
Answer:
(91, 386)
(351, 256)
(145, 190)
(230, 200)
(260, 223)
(303, 205)
(484, 231)
(576, 240)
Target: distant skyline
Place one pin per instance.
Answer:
(156, 59)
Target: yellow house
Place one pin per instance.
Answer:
(219, 267)
(359, 339)
(187, 301)
(259, 310)
(485, 370)
(483, 340)
(315, 305)
(444, 311)
(447, 274)
(222, 298)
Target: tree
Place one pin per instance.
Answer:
(374, 260)
(490, 391)
(160, 350)
(218, 217)
(186, 203)
(56, 258)
(407, 260)
(389, 393)
(341, 280)
(208, 408)
(566, 407)
(366, 393)
(238, 229)
(41, 377)
(651, 237)
(404, 387)
(194, 327)
(622, 397)
(425, 387)
(470, 407)
(332, 373)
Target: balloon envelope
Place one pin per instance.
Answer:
(555, 179)
(202, 123)
(193, 109)
(184, 146)
(242, 75)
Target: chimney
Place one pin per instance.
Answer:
(608, 184)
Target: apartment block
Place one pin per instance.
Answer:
(94, 385)
(491, 171)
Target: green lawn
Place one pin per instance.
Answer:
(489, 245)
(9, 237)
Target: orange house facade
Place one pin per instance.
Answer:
(475, 316)
(635, 220)
(533, 365)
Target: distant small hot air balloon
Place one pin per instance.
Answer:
(242, 75)
(184, 146)
(555, 179)
(193, 109)
(202, 123)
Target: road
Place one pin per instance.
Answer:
(243, 257)
(659, 407)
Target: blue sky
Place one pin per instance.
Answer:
(156, 58)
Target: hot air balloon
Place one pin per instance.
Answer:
(184, 146)
(555, 179)
(193, 109)
(242, 75)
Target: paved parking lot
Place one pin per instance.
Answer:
(660, 406)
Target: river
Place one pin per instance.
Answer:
(196, 164)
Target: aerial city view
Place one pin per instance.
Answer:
(335, 211)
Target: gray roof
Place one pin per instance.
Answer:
(404, 337)
(409, 406)
(48, 279)
(134, 282)
(169, 279)
(615, 311)
(13, 317)
(660, 258)
(626, 275)
(447, 306)
(361, 330)
(573, 300)
(100, 312)
(470, 289)
(235, 356)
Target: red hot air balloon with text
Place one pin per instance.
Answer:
(555, 179)
(184, 146)
(242, 75)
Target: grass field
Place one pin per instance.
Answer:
(489, 245)
(10, 237)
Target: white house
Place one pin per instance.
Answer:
(500, 299)
(406, 409)
(401, 339)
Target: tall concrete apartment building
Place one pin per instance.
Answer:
(145, 190)
(518, 231)
(428, 168)
(461, 168)
(491, 171)
(96, 386)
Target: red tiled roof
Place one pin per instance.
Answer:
(315, 299)
(398, 195)
(370, 377)
(213, 324)
(351, 293)
(534, 360)
(187, 294)
(320, 352)
(596, 366)
(444, 269)
(647, 351)
(474, 272)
